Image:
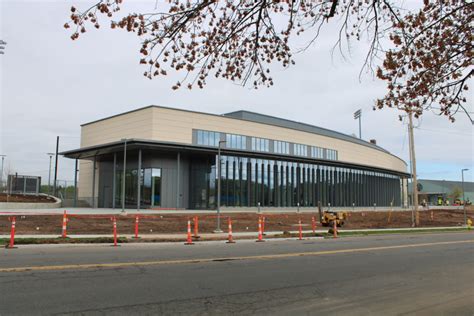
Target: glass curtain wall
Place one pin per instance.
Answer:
(150, 188)
(246, 182)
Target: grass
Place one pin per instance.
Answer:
(60, 240)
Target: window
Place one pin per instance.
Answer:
(260, 144)
(236, 141)
(208, 138)
(331, 154)
(300, 150)
(281, 147)
(323, 153)
(317, 152)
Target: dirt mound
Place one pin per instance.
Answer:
(241, 222)
(20, 198)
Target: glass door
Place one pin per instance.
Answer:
(155, 187)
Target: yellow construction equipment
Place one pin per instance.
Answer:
(328, 218)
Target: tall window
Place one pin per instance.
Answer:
(281, 147)
(300, 150)
(236, 141)
(208, 138)
(260, 144)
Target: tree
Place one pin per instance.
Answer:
(428, 62)
(456, 193)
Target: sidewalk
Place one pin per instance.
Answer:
(224, 210)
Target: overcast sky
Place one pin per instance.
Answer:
(50, 85)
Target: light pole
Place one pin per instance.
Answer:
(123, 175)
(463, 196)
(56, 166)
(49, 173)
(1, 173)
(218, 229)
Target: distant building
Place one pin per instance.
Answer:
(171, 162)
(437, 192)
(22, 184)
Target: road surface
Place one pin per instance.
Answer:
(422, 274)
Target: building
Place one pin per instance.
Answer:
(438, 192)
(266, 161)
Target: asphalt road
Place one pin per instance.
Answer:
(423, 274)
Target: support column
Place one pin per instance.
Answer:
(139, 179)
(114, 180)
(75, 184)
(178, 158)
(93, 182)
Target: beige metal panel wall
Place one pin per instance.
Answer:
(136, 124)
(176, 126)
(85, 180)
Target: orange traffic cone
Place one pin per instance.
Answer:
(189, 240)
(64, 228)
(230, 239)
(260, 233)
(11, 245)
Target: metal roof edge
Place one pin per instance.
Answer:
(228, 150)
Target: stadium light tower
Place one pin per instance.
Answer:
(358, 115)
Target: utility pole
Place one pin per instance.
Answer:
(463, 196)
(56, 166)
(415, 214)
(358, 115)
(1, 173)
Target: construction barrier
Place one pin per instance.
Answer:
(260, 233)
(230, 240)
(64, 228)
(114, 221)
(11, 245)
(136, 226)
(300, 230)
(189, 240)
(196, 227)
(263, 225)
